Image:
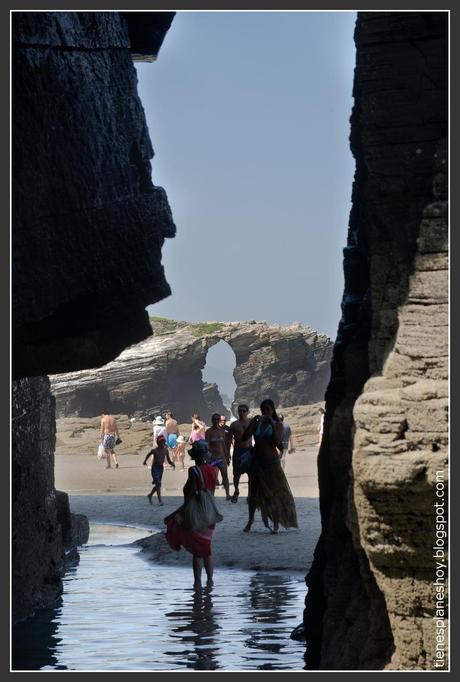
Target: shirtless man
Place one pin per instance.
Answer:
(160, 453)
(236, 430)
(109, 435)
(172, 432)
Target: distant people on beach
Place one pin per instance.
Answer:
(109, 437)
(160, 453)
(180, 451)
(197, 542)
(240, 447)
(268, 489)
(223, 423)
(159, 429)
(198, 429)
(172, 430)
(287, 441)
(215, 437)
(322, 412)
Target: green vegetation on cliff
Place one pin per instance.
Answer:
(204, 328)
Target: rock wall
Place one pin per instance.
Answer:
(89, 224)
(371, 582)
(290, 364)
(88, 227)
(42, 526)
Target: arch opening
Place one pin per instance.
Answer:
(218, 377)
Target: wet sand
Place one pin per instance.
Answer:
(119, 496)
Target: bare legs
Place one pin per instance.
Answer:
(158, 492)
(225, 481)
(110, 454)
(252, 511)
(198, 567)
(236, 483)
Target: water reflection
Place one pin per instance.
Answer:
(199, 630)
(119, 612)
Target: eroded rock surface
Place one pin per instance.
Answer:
(371, 599)
(89, 224)
(88, 227)
(289, 364)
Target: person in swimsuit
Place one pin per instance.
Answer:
(172, 431)
(215, 437)
(268, 489)
(198, 429)
(160, 453)
(240, 447)
(109, 436)
(180, 451)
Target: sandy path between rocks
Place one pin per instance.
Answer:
(118, 496)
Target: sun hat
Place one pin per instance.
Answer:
(181, 439)
(159, 420)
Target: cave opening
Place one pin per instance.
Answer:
(218, 377)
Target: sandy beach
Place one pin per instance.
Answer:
(118, 496)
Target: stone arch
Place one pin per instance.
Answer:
(218, 376)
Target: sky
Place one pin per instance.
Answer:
(248, 113)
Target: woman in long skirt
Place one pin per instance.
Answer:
(268, 489)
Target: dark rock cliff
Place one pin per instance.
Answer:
(88, 222)
(88, 227)
(370, 602)
(290, 364)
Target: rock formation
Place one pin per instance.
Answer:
(371, 601)
(89, 224)
(88, 227)
(43, 527)
(290, 364)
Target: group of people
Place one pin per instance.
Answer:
(263, 440)
(258, 445)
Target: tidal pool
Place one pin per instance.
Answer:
(120, 612)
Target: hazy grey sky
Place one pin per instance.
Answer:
(248, 114)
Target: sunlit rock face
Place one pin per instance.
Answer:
(288, 364)
(88, 223)
(88, 227)
(371, 600)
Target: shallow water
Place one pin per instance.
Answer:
(121, 612)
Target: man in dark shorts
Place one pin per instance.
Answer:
(160, 453)
(240, 447)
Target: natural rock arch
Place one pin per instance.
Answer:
(290, 364)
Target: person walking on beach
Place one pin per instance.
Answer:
(322, 412)
(159, 429)
(109, 437)
(288, 440)
(172, 430)
(198, 431)
(268, 489)
(240, 447)
(180, 451)
(197, 542)
(160, 453)
(215, 437)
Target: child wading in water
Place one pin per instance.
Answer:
(160, 453)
